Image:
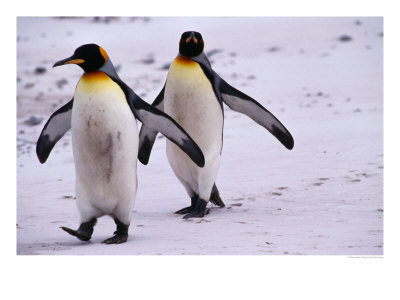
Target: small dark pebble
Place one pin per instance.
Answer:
(358, 22)
(148, 60)
(60, 83)
(380, 34)
(104, 20)
(212, 52)
(33, 120)
(40, 70)
(21, 131)
(117, 68)
(29, 85)
(274, 49)
(165, 66)
(345, 38)
(357, 110)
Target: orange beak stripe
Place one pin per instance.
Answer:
(75, 61)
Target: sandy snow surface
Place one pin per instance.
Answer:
(322, 77)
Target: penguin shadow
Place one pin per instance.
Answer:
(94, 241)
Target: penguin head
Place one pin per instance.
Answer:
(191, 44)
(90, 57)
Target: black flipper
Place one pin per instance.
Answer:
(55, 128)
(244, 104)
(147, 135)
(158, 121)
(240, 102)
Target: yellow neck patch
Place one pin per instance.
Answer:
(183, 60)
(97, 76)
(97, 82)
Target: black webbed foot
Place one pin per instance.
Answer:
(188, 209)
(116, 239)
(199, 210)
(84, 232)
(120, 236)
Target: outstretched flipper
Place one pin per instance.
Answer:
(148, 135)
(244, 104)
(240, 102)
(57, 125)
(161, 122)
(158, 121)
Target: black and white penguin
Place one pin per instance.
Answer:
(102, 117)
(193, 95)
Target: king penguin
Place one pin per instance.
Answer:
(193, 95)
(102, 117)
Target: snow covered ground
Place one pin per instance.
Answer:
(322, 77)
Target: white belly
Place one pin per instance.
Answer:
(189, 99)
(105, 145)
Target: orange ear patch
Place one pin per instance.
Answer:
(103, 53)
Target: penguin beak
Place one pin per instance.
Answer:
(69, 60)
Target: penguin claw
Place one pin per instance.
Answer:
(76, 233)
(116, 239)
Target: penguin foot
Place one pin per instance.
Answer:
(199, 210)
(184, 210)
(116, 239)
(190, 208)
(84, 232)
(120, 236)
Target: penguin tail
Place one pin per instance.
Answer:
(215, 197)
